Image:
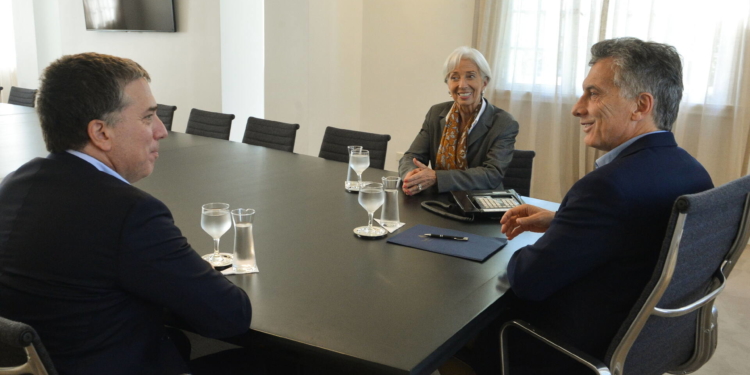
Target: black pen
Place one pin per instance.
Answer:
(447, 237)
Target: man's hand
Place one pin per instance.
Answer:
(418, 179)
(525, 218)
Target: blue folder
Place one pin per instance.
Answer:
(477, 248)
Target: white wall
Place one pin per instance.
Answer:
(369, 65)
(405, 46)
(47, 26)
(242, 61)
(27, 73)
(313, 66)
(287, 66)
(217, 52)
(185, 66)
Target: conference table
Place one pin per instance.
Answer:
(357, 305)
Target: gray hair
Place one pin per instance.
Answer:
(649, 67)
(470, 54)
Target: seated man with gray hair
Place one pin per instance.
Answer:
(582, 277)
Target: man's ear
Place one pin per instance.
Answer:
(644, 106)
(99, 135)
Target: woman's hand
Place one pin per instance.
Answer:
(418, 179)
(525, 218)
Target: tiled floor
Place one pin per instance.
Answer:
(731, 357)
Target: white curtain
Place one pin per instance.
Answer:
(539, 52)
(7, 50)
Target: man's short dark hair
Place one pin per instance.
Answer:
(649, 67)
(77, 89)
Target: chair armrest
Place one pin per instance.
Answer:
(672, 313)
(596, 366)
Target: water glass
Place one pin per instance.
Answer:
(359, 160)
(371, 197)
(389, 214)
(215, 221)
(244, 246)
(351, 183)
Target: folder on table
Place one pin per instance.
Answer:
(477, 248)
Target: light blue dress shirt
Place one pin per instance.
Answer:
(98, 164)
(612, 154)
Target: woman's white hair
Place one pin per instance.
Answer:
(470, 54)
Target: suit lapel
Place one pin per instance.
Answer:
(482, 126)
(443, 115)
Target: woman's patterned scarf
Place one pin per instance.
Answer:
(452, 151)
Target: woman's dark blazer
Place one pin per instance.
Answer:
(489, 149)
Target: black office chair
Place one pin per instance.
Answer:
(706, 235)
(336, 140)
(271, 134)
(209, 124)
(21, 96)
(166, 114)
(518, 174)
(21, 350)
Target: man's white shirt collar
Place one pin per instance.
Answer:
(97, 164)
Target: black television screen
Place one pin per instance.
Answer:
(129, 15)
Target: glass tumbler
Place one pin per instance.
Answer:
(351, 184)
(389, 213)
(244, 246)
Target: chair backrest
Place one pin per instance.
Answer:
(518, 174)
(336, 140)
(707, 233)
(21, 96)
(209, 124)
(271, 134)
(21, 350)
(166, 114)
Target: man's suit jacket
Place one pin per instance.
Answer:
(589, 267)
(91, 262)
(489, 149)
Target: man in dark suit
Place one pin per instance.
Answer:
(88, 260)
(581, 278)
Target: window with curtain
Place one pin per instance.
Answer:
(539, 51)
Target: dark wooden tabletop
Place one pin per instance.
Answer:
(371, 306)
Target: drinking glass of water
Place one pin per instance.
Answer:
(244, 246)
(371, 197)
(359, 160)
(350, 184)
(389, 214)
(215, 220)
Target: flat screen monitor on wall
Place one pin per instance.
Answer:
(129, 15)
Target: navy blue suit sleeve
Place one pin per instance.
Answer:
(585, 233)
(157, 263)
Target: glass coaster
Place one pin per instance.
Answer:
(364, 232)
(354, 188)
(226, 260)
